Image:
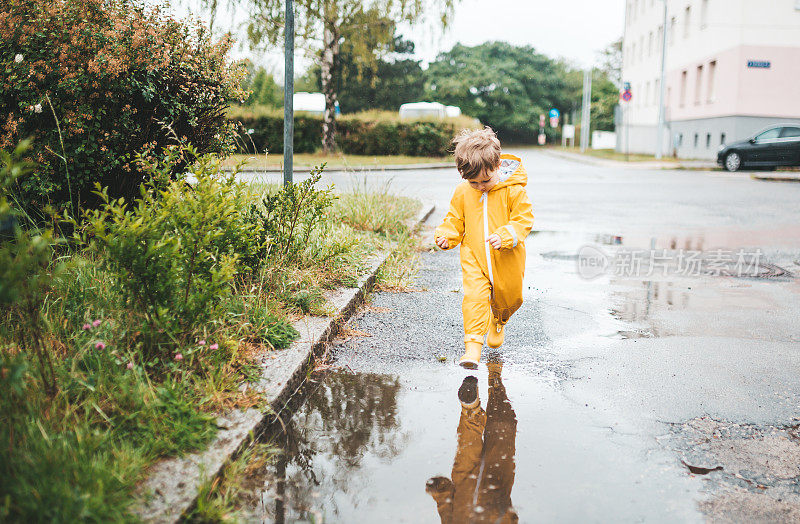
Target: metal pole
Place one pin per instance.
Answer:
(627, 133)
(660, 134)
(586, 119)
(288, 96)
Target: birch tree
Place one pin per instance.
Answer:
(322, 26)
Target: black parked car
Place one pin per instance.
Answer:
(775, 146)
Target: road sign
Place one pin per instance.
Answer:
(553, 121)
(568, 131)
(627, 96)
(555, 113)
(541, 120)
(542, 139)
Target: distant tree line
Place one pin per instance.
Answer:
(502, 85)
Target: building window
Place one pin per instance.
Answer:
(687, 19)
(722, 139)
(698, 84)
(635, 8)
(708, 140)
(696, 138)
(672, 23)
(680, 139)
(647, 94)
(633, 53)
(650, 44)
(704, 14)
(684, 74)
(668, 98)
(712, 73)
(659, 38)
(641, 48)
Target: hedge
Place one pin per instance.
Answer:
(369, 133)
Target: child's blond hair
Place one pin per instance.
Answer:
(476, 151)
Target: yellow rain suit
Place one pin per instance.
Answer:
(492, 277)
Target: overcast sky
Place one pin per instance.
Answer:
(571, 29)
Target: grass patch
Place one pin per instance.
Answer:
(218, 498)
(357, 209)
(399, 272)
(332, 161)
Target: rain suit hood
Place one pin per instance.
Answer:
(511, 172)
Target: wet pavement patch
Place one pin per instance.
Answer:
(754, 469)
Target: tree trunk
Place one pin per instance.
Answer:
(330, 57)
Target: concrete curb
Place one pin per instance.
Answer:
(776, 178)
(174, 483)
(358, 168)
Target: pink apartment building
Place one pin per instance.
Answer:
(732, 68)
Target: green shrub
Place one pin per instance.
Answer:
(175, 250)
(369, 133)
(288, 217)
(94, 82)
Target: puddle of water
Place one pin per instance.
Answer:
(380, 448)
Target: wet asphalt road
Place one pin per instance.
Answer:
(620, 386)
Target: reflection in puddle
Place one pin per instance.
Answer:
(346, 420)
(636, 300)
(483, 469)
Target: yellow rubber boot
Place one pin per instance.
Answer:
(472, 355)
(496, 335)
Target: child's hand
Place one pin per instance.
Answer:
(442, 242)
(495, 241)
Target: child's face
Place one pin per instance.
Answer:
(485, 181)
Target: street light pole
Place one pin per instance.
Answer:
(661, 116)
(288, 95)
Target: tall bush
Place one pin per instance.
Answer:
(94, 82)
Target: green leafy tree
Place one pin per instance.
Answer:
(324, 25)
(605, 97)
(610, 62)
(504, 86)
(261, 86)
(508, 87)
(391, 81)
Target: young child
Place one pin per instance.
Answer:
(490, 216)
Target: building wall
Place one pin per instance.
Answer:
(727, 34)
